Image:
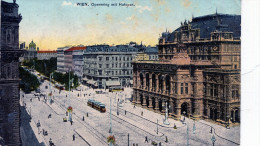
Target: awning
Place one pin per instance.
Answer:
(131, 81)
(85, 79)
(112, 83)
(92, 82)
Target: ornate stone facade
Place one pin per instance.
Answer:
(9, 78)
(198, 72)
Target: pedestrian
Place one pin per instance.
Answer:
(125, 112)
(142, 113)
(66, 113)
(73, 137)
(78, 94)
(71, 122)
(134, 105)
(83, 118)
(87, 114)
(166, 139)
(210, 130)
(50, 142)
(146, 139)
(31, 99)
(160, 144)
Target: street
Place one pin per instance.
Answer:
(94, 130)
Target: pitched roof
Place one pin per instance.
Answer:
(46, 51)
(75, 48)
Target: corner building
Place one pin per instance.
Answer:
(198, 71)
(9, 74)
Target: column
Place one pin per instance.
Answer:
(138, 98)
(157, 82)
(150, 102)
(164, 85)
(163, 105)
(134, 97)
(150, 82)
(178, 110)
(144, 87)
(144, 100)
(156, 104)
(138, 79)
(171, 82)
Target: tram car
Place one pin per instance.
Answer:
(97, 105)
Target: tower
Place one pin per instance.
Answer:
(9, 77)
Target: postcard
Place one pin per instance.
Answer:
(120, 72)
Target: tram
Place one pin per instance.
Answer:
(97, 105)
(116, 89)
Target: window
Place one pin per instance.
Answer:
(116, 72)
(119, 64)
(124, 58)
(120, 72)
(119, 58)
(213, 90)
(100, 65)
(100, 58)
(113, 58)
(107, 58)
(112, 72)
(116, 58)
(186, 88)
(100, 72)
(107, 65)
(116, 65)
(113, 65)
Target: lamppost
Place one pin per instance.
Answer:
(187, 135)
(110, 130)
(51, 76)
(166, 122)
(194, 127)
(157, 127)
(213, 139)
(70, 81)
(227, 126)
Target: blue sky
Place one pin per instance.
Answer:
(56, 23)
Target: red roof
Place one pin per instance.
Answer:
(76, 48)
(46, 51)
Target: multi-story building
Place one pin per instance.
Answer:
(198, 71)
(106, 66)
(46, 55)
(9, 78)
(149, 53)
(73, 60)
(60, 59)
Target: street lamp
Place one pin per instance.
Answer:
(51, 76)
(194, 127)
(213, 139)
(227, 126)
(110, 130)
(166, 122)
(187, 135)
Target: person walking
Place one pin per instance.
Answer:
(142, 113)
(83, 118)
(146, 139)
(73, 137)
(71, 122)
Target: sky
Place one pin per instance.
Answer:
(57, 23)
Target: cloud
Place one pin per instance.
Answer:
(186, 3)
(143, 8)
(65, 3)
